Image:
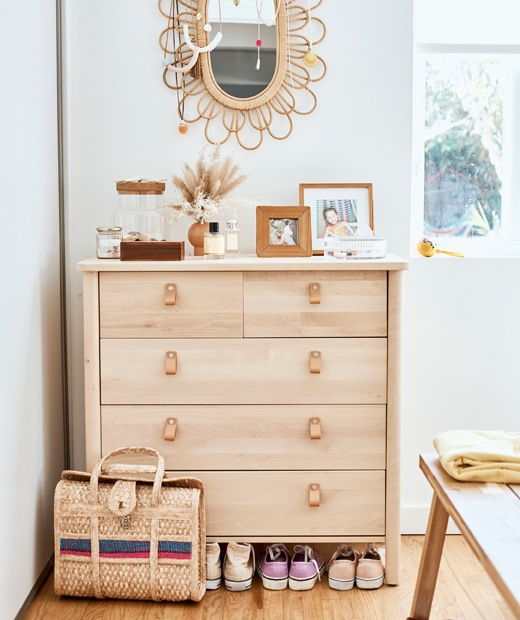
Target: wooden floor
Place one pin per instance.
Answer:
(463, 591)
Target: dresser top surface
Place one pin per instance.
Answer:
(247, 263)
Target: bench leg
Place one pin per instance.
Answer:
(430, 561)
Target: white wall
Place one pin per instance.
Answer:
(123, 122)
(31, 441)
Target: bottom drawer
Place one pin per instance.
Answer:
(276, 504)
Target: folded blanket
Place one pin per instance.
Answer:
(480, 456)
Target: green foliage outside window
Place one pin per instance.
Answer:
(463, 148)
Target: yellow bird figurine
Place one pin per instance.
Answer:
(427, 248)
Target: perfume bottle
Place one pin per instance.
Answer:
(232, 234)
(214, 244)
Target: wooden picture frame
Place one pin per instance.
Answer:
(352, 203)
(283, 231)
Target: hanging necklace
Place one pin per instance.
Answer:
(310, 59)
(183, 128)
(260, 20)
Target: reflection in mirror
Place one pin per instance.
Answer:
(234, 62)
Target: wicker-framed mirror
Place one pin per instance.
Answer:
(190, 56)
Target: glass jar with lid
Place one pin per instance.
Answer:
(141, 213)
(108, 242)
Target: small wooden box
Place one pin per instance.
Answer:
(152, 250)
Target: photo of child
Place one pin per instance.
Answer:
(283, 232)
(339, 217)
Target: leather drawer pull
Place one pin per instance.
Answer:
(171, 363)
(315, 428)
(315, 362)
(170, 429)
(314, 495)
(314, 293)
(170, 294)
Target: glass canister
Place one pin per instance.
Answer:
(108, 242)
(141, 213)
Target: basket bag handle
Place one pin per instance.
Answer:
(158, 469)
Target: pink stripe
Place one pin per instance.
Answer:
(174, 556)
(68, 552)
(138, 554)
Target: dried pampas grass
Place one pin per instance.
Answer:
(204, 186)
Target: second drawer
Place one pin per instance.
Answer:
(253, 437)
(272, 370)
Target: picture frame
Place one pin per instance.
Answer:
(283, 231)
(352, 203)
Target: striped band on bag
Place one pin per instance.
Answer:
(126, 549)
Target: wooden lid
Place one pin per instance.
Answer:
(140, 187)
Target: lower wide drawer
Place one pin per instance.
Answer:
(253, 436)
(276, 504)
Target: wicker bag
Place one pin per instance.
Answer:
(121, 533)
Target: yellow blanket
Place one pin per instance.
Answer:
(480, 456)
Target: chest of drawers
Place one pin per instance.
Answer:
(274, 381)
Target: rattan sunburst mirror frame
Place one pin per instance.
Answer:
(249, 119)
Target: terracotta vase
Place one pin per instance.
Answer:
(196, 237)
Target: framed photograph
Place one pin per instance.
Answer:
(337, 209)
(283, 231)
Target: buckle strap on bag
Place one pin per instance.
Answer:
(159, 471)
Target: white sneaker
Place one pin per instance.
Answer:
(213, 567)
(239, 566)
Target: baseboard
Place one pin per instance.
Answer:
(39, 582)
(414, 520)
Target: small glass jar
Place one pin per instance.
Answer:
(108, 242)
(141, 213)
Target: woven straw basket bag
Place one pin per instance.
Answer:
(128, 532)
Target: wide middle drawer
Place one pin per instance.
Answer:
(267, 371)
(236, 437)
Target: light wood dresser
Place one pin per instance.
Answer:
(274, 381)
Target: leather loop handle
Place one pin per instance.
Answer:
(314, 293)
(159, 472)
(315, 428)
(170, 365)
(170, 294)
(314, 495)
(170, 429)
(315, 362)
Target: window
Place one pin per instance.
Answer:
(467, 125)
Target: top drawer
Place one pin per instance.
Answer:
(315, 304)
(134, 305)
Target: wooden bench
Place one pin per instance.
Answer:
(488, 516)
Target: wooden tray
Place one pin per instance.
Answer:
(152, 250)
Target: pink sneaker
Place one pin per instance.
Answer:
(370, 572)
(342, 568)
(307, 566)
(273, 567)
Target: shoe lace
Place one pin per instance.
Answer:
(345, 551)
(371, 553)
(276, 550)
(307, 553)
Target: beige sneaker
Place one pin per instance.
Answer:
(239, 566)
(213, 568)
(342, 568)
(370, 572)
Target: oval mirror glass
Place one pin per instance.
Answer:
(240, 68)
